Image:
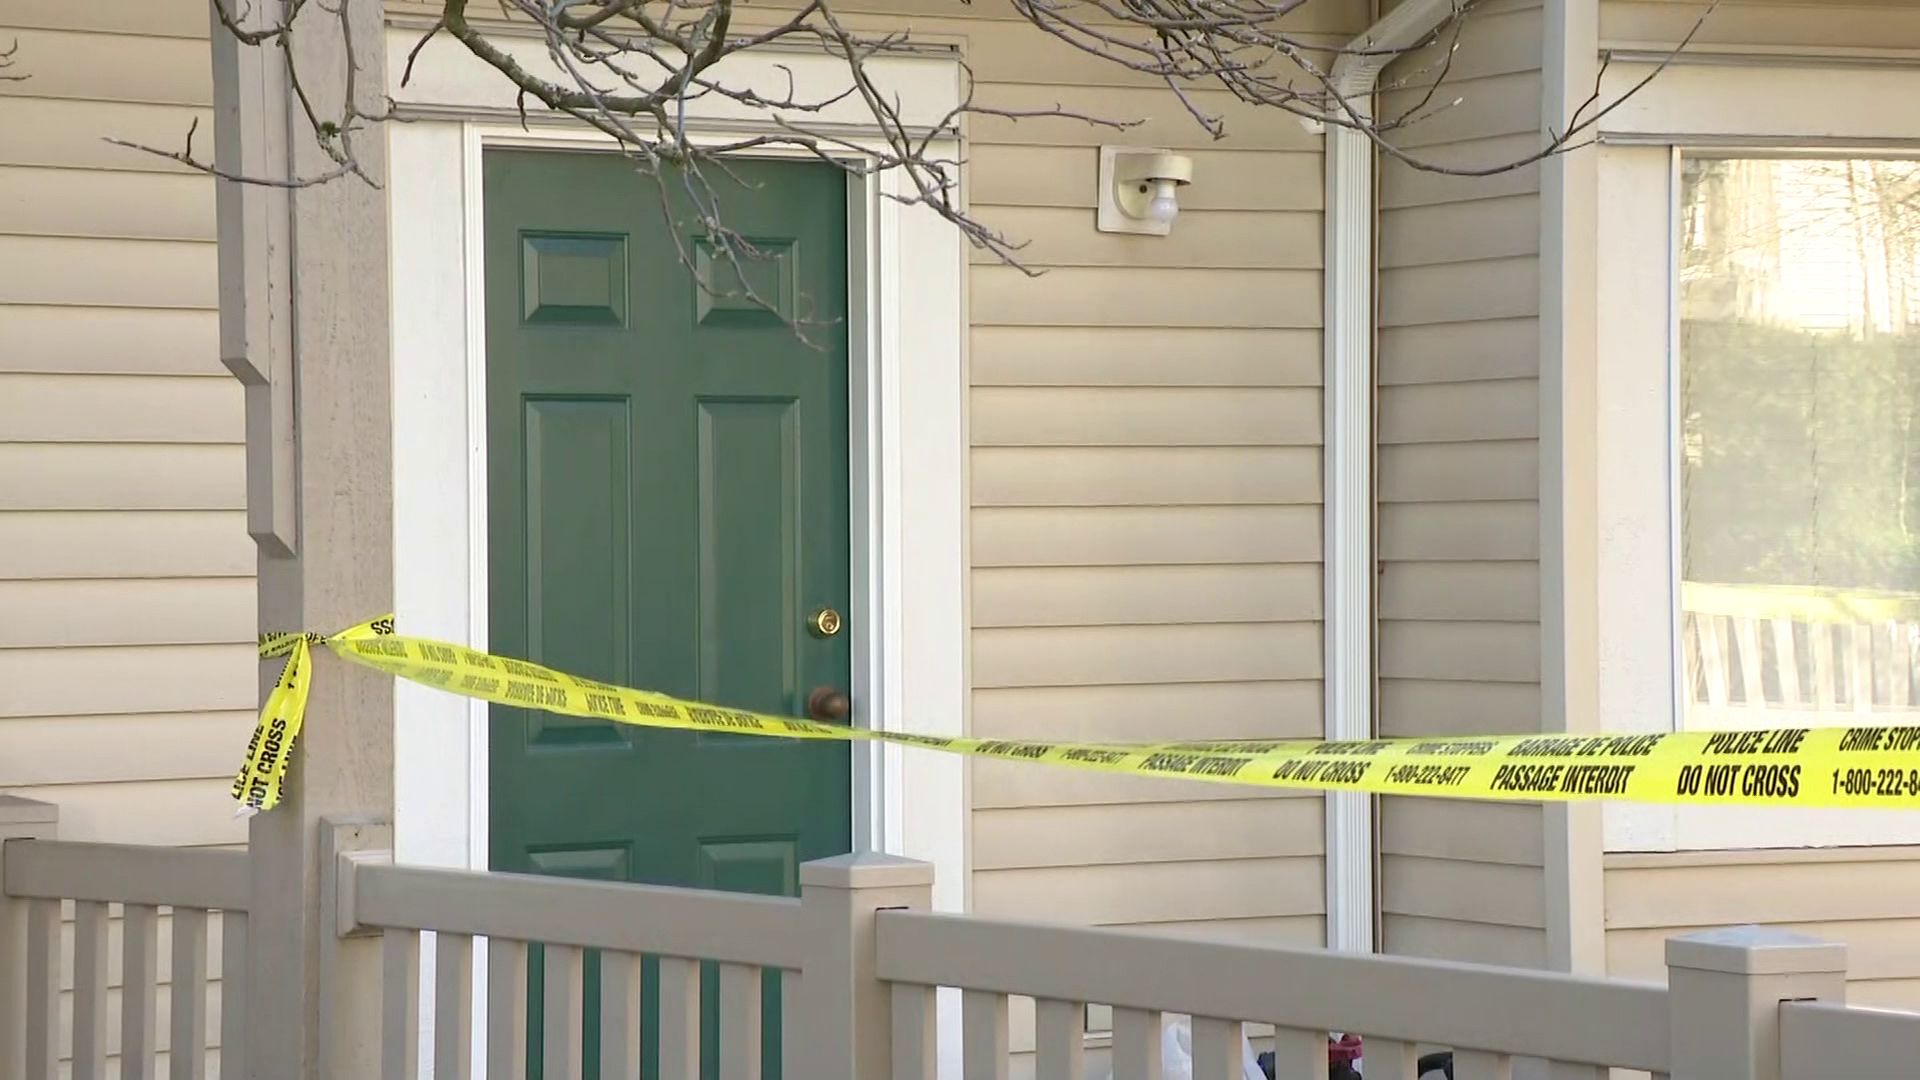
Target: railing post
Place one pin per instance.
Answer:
(844, 1022)
(1724, 993)
(20, 819)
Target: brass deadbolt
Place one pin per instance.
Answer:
(824, 623)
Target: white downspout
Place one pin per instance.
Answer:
(1348, 483)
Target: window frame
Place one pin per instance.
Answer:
(1642, 687)
(1727, 98)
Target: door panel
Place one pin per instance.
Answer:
(667, 484)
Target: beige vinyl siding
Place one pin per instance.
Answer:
(1859, 896)
(1458, 487)
(1145, 491)
(1871, 25)
(1862, 897)
(126, 593)
(126, 575)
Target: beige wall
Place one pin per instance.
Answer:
(1458, 487)
(126, 591)
(1863, 897)
(126, 588)
(1860, 896)
(1145, 488)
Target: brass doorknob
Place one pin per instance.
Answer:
(828, 704)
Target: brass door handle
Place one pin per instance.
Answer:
(828, 704)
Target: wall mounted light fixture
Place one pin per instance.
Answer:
(1138, 189)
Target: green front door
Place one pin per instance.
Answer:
(667, 490)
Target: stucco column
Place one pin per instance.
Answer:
(304, 322)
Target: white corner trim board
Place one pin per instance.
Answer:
(1348, 481)
(908, 464)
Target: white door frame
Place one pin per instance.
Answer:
(908, 463)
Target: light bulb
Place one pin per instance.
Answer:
(1164, 208)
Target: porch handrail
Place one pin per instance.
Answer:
(833, 1015)
(732, 927)
(1827, 1038)
(210, 879)
(1516, 1012)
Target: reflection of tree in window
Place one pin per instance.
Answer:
(1800, 372)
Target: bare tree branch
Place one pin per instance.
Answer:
(8, 56)
(635, 70)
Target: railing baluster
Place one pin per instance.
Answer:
(792, 1024)
(680, 1019)
(1752, 673)
(1059, 1039)
(1860, 667)
(233, 994)
(1136, 1044)
(983, 1032)
(90, 990)
(1481, 1065)
(739, 1022)
(399, 1005)
(1299, 1053)
(1713, 658)
(506, 1009)
(1216, 1049)
(43, 987)
(560, 1041)
(187, 1054)
(619, 1016)
(1789, 657)
(452, 1006)
(1899, 665)
(1566, 1070)
(1824, 693)
(914, 1041)
(139, 989)
(1385, 1059)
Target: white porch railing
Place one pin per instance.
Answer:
(1842, 654)
(861, 957)
(42, 882)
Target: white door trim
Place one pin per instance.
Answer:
(908, 463)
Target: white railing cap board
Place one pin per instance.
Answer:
(1525, 1013)
(1755, 950)
(1827, 1038)
(764, 931)
(127, 873)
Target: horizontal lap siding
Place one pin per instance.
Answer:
(1145, 509)
(1859, 896)
(1458, 489)
(126, 575)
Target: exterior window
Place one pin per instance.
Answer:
(1757, 386)
(1797, 465)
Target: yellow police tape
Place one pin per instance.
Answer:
(1861, 766)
